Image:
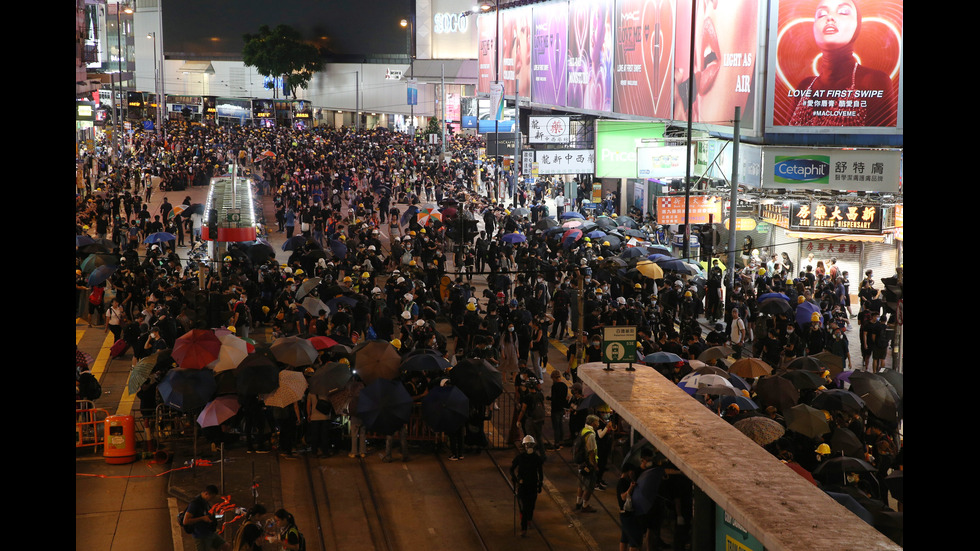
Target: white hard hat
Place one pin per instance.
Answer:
(528, 440)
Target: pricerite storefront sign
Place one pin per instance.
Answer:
(835, 217)
(565, 161)
(876, 170)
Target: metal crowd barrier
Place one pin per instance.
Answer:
(89, 425)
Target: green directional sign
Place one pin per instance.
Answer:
(233, 216)
(619, 344)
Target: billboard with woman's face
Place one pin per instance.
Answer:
(726, 51)
(836, 66)
(486, 51)
(549, 52)
(590, 55)
(644, 57)
(515, 51)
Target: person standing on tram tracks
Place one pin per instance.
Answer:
(527, 475)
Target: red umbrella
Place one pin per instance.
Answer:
(322, 343)
(196, 349)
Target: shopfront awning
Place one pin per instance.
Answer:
(852, 237)
(198, 67)
(457, 71)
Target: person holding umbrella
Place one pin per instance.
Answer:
(527, 475)
(631, 525)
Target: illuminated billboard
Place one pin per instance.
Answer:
(487, 71)
(616, 143)
(644, 58)
(836, 66)
(515, 51)
(726, 46)
(590, 54)
(549, 52)
(453, 36)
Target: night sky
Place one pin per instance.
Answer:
(213, 29)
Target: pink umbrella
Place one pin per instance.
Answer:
(218, 411)
(196, 349)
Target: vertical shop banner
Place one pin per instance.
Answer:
(515, 51)
(726, 48)
(549, 53)
(836, 64)
(452, 106)
(590, 54)
(413, 91)
(496, 101)
(644, 57)
(487, 24)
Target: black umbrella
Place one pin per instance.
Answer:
(445, 409)
(259, 253)
(845, 441)
(879, 396)
(896, 379)
(646, 490)
(384, 406)
(895, 482)
(591, 401)
(329, 377)
(775, 307)
(636, 452)
(480, 381)
(837, 399)
(837, 466)
(196, 208)
(296, 243)
(807, 363)
(187, 389)
(425, 362)
(803, 380)
(806, 420)
(257, 374)
(777, 392)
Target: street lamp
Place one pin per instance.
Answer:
(161, 103)
(410, 24)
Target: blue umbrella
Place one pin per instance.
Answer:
(338, 247)
(853, 506)
(409, 214)
(384, 406)
(571, 214)
(767, 296)
(514, 238)
(742, 402)
(187, 389)
(739, 383)
(661, 358)
(656, 257)
(294, 243)
(805, 311)
(445, 409)
(570, 237)
(332, 304)
(100, 274)
(159, 237)
(425, 362)
(596, 234)
(82, 240)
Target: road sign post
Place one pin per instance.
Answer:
(619, 345)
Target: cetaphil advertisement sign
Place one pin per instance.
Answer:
(875, 170)
(616, 144)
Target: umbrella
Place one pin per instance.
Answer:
(445, 409)
(259, 253)
(606, 222)
(233, 350)
(761, 430)
(306, 287)
(313, 306)
(803, 380)
(330, 377)
(692, 381)
(739, 383)
(702, 369)
(140, 373)
(633, 253)
(293, 351)
(82, 240)
(837, 399)
(320, 342)
(256, 375)
(196, 348)
(614, 242)
(743, 403)
(806, 420)
(101, 274)
(775, 307)
(837, 466)
(384, 406)
(519, 212)
(546, 223)
(895, 482)
(896, 379)
(196, 208)
(661, 358)
(716, 353)
(93, 261)
(668, 263)
(833, 362)
(187, 389)
(636, 452)
(650, 270)
(806, 363)
(852, 505)
(292, 387)
(711, 390)
(295, 243)
(227, 382)
(339, 248)
(626, 222)
(596, 234)
(750, 368)
(777, 392)
(891, 524)
(570, 237)
(646, 491)
(632, 232)
(481, 382)
(846, 442)
(590, 401)
(159, 237)
(424, 217)
(573, 224)
(425, 362)
(376, 359)
(218, 411)
(514, 238)
(805, 311)
(768, 296)
(571, 214)
(878, 394)
(333, 305)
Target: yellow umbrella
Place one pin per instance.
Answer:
(650, 269)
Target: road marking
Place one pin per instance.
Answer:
(103, 359)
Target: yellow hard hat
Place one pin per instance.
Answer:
(762, 271)
(800, 299)
(265, 309)
(365, 275)
(396, 343)
(687, 294)
(823, 449)
(299, 271)
(412, 263)
(471, 307)
(815, 317)
(637, 286)
(605, 243)
(347, 279)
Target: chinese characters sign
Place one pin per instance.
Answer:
(565, 161)
(827, 168)
(548, 130)
(704, 210)
(836, 217)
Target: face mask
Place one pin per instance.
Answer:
(510, 329)
(528, 449)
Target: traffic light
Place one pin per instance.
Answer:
(892, 293)
(213, 224)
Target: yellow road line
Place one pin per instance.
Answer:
(125, 403)
(103, 359)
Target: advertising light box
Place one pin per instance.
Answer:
(831, 169)
(644, 58)
(453, 36)
(836, 67)
(549, 52)
(726, 46)
(486, 52)
(565, 161)
(616, 143)
(515, 51)
(661, 161)
(590, 55)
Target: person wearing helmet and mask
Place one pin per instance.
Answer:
(532, 413)
(527, 476)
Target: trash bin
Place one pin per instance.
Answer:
(120, 440)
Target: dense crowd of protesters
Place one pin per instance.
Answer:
(383, 222)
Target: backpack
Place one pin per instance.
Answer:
(89, 388)
(302, 538)
(579, 455)
(96, 296)
(188, 529)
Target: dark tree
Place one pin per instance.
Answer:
(281, 52)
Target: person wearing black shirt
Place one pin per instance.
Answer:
(559, 403)
(527, 475)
